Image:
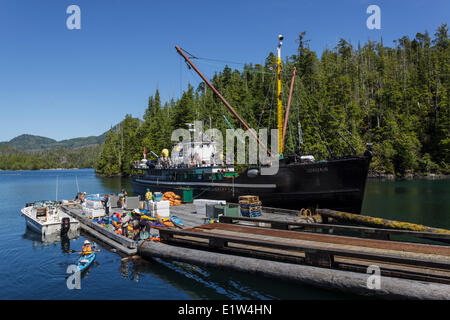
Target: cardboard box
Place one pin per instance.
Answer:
(200, 204)
(161, 207)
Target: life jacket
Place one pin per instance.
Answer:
(148, 196)
(86, 249)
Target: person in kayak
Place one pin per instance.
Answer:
(87, 248)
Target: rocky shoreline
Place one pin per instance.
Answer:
(408, 176)
(371, 175)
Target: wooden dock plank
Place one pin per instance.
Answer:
(108, 241)
(332, 247)
(311, 247)
(345, 263)
(76, 213)
(289, 223)
(326, 238)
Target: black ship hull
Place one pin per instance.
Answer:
(335, 184)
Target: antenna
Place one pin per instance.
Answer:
(76, 180)
(120, 156)
(56, 188)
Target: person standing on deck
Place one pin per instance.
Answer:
(125, 221)
(148, 197)
(122, 196)
(82, 197)
(107, 204)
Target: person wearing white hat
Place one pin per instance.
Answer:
(87, 248)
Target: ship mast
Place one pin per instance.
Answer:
(286, 117)
(279, 103)
(180, 51)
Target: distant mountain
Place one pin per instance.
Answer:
(28, 142)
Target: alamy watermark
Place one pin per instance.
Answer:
(374, 20)
(74, 20)
(74, 280)
(207, 147)
(374, 280)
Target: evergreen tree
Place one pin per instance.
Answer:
(397, 98)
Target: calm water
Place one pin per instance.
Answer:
(30, 269)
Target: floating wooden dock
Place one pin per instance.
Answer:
(284, 245)
(406, 260)
(120, 243)
(365, 232)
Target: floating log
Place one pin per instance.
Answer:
(345, 281)
(377, 222)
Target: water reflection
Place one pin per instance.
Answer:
(44, 239)
(65, 244)
(417, 201)
(211, 283)
(400, 190)
(39, 272)
(115, 185)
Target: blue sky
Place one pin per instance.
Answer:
(64, 83)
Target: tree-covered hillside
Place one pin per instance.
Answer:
(30, 142)
(395, 97)
(14, 159)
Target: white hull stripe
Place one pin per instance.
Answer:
(35, 226)
(211, 184)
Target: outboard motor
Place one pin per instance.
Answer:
(65, 226)
(65, 243)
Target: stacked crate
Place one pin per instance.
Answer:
(250, 206)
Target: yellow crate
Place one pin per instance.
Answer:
(249, 198)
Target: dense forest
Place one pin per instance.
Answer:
(394, 97)
(66, 158)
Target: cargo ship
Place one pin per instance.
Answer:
(301, 181)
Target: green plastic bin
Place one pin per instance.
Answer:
(188, 194)
(226, 210)
(232, 210)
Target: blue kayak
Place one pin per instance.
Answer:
(176, 221)
(85, 262)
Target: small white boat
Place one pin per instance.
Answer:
(46, 217)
